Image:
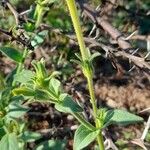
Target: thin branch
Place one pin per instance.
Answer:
(99, 21)
(15, 13)
(141, 37)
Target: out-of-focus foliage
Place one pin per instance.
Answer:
(134, 15)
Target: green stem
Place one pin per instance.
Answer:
(92, 95)
(39, 11)
(85, 56)
(76, 23)
(83, 121)
(38, 15)
(100, 139)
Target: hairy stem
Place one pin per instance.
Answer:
(85, 57)
(38, 14)
(83, 121)
(76, 23)
(94, 106)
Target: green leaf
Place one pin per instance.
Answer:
(10, 77)
(9, 142)
(83, 137)
(51, 145)
(17, 99)
(54, 74)
(107, 117)
(2, 82)
(67, 105)
(121, 117)
(76, 61)
(55, 86)
(89, 53)
(24, 76)
(78, 56)
(39, 38)
(41, 94)
(5, 97)
(29, 136)
(103, 116)
(29, 27)
(93, 56)
(39, 66)
(24, 91)
(16, 110)
(12, 53)
(2, 132)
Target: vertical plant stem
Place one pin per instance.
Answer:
(76, 23)
(85, 57)
(38, 14)
(39, 10)
(92, 95)
(100, 139)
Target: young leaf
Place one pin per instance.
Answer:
(41, 94)
(12, 53)
(9, 142)
(54, 86)
(93, 56)
(24, 76)
(121, 117)
(29, 27)
(39, 66)
(78, 56)
(25, 91)
(103, 116)
(78, 60)
(29, 136)
(83, 137)
(67, 105)
(51, 145)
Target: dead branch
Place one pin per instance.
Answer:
(138, 61)
(24, 42)
(141, 37)
(14, 12)
(99, 21)
(115, 34)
